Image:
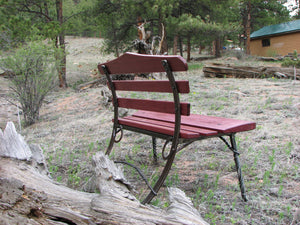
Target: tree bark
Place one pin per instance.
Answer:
(162, 32)
(29, 196)
(175, 44)
(188, 49)
(217, 47)
(61, 44)
(180, 46)
(248, 27)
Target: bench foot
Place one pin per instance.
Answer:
(113, 139)
(232, 146)
(162, 177)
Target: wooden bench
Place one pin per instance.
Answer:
(168, 120)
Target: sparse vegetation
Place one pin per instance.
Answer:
(31, 71)
(294, 61)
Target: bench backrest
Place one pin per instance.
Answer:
(132, 63)
(139, 63)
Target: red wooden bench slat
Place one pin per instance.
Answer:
(220, 124)
(140, 63)
(157, 128)
(151, 86)
(153, 105)
(200, 131)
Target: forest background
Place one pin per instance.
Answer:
(199, 23)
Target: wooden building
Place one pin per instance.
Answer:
(280, 39)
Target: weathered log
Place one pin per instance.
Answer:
(28, 196)
(92, 84)
(222, 71)
(12, 144)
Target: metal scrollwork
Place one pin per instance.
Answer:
(120, 129)
(163, 150)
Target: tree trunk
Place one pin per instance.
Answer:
(162, 32)
(188, 49)
(61, 40)
(217, 47)
(175, 44)
(248, 27)
(201, 48)
(29, 196)
(180, 46)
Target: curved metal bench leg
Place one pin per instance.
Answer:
(162, 177)
(111, 143)
(238, 167)
(236, 154)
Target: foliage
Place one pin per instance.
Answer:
(264, 13)
(118, 20)
(24, 19)
(32, 75)
(196, 23)
(295, 61)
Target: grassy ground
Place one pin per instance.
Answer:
(74, 125)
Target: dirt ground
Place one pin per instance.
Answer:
(74, 125)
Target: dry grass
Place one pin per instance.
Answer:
(74, 125)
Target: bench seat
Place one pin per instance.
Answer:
(165, 127)
(192, 126)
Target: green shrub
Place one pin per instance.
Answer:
(32, 70)
(295, 61)
(291, 62)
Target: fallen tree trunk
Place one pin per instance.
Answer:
(222, 71)
(29, 196)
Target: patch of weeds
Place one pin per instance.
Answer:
(53, 169)
(196, 66)
(233, 220)
(223, 99)
(172, 180)
(156, 202)
(216, 182)
(206, 182)
(133, 95)
(144, 168)
(272, 159)
(269, 102)
(288, 148)
(198, 195)
(213, 165)
(77, 83)
(50, 158)
(259, 127)
(136, 149)
(212, 217)
(59, 179)
(216, 107)
(295, 173)
(91, 146)
(73, 175)
(159, 201)
(208, 197)
(266, 178)
(154, 178)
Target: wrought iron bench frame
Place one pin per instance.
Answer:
(167, 120)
